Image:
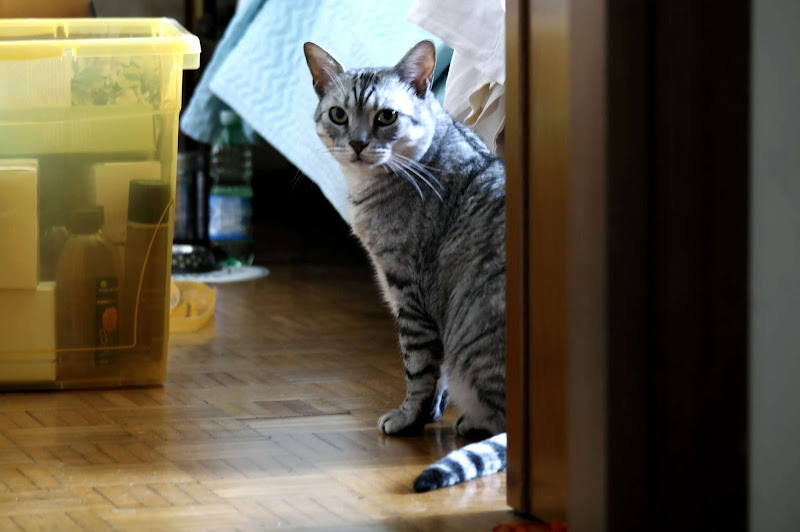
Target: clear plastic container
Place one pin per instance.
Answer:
(86, 107)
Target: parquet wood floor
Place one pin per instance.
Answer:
(267, 421)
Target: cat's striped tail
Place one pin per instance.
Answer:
(471, 461)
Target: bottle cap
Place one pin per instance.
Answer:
(229, 118)
(85, 220)
(147, 201)
(189, 162)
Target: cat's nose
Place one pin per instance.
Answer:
(358, 146)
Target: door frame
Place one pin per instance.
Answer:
(628, 262)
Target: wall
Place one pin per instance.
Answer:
(775, 268)
(141, 8)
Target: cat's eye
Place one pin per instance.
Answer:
(338, 115)
(387, 117)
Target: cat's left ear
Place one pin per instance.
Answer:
(322, 65)
(417, 67)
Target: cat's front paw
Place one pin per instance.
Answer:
(398, 422)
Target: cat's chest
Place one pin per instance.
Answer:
(391, 253)
(386, 236)
(394, 250)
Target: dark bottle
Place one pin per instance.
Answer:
(87, 300)
(144, 315)
(186, 212)
(230, 201)
(50, 245)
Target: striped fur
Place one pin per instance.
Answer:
(471, 461)
(427, 201)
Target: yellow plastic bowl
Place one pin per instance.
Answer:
(195, 306)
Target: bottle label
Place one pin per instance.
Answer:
(106, 320)
(230, 218)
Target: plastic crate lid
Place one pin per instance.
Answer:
(28, 39)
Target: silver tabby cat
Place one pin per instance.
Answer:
(427, 201)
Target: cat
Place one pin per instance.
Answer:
(427, 201)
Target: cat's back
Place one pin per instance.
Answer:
(474, 213)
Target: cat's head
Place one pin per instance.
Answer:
(372, 120)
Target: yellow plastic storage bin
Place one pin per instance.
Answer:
(88, 144)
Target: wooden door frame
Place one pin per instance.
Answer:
(654, 198)
(537, 144)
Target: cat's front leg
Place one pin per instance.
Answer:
(426, 386)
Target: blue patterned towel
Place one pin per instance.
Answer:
(260, 72)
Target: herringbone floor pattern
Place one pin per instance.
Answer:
(267, 421)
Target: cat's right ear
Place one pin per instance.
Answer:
(416, 68)
(323, 67)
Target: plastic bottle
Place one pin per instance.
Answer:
(230, 201)
(87, 300)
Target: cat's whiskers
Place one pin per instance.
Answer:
(298, 177)
(411, 166)
(428, 170)
(334, 78)
(399, 170)
(326, 149)
(337, 152)
(418, 174)
(417, 163)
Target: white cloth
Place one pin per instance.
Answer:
(475, 90)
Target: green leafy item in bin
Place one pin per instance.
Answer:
(116, 81)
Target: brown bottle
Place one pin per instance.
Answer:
(145, 315)
(87, 298)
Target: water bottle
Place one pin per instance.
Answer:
(230, 200)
